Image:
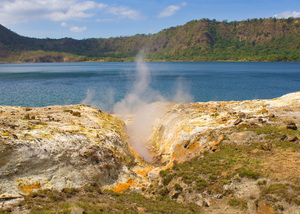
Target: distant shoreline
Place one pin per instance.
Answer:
(146, 60)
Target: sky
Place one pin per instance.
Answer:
(83, 19)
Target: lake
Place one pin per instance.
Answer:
(102, 84)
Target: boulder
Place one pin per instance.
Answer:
(293, 139)
(241, 115)
(242, 137)
(283, 137)
(292, 126)
(58, 148)
(77, 210)
(237, 121)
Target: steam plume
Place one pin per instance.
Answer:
(139, 104)
(141, 93)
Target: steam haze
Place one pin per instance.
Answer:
(139, 104)
(104, 101)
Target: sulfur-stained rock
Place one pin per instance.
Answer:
(264, 208)
(271, 116)
(67, 150)
(186, 135)
(256, 151)
(283, 137)
(70, 146)
(141, 209)
(214, 145)
(241, 115)
(292, 126)
(267, 146)
(152, 175)
(242, 137)
(238, 121)
(293, 139)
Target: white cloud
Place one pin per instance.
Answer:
(77, 29)
(106, 20)
(24, 10)
(171, 10)
(121, 12)
(124, 12)
(101, 6)
(287, 14)
(77, 10)
(64, 24)
(15, 11)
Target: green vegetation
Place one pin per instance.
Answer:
(199, 40)
(220, 175)
(233, 163)
(280, 136)
(237, 202)
(211, 172)
(248, 172)
(274, 131)
(263, 182)
(282, 191)
(92, 200)
(74, 113)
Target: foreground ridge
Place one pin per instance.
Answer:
(220, 156)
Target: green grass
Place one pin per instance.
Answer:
(273, 132)
(206, 173)
(285, 191)
(238, 202)
(92, 200)
(263, 182)
(232, 162)
(248, 172)
(216, 169)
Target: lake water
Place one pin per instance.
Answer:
(102, 84)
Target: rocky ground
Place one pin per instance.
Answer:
(213, 157)
(60, 146)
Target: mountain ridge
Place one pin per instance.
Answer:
(198, 40)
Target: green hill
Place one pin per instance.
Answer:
(199, 40)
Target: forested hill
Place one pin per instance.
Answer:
(200, 40)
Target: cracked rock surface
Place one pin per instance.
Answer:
(59, 146)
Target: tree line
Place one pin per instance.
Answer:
(198, 40)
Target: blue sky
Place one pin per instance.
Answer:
(81, 19)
